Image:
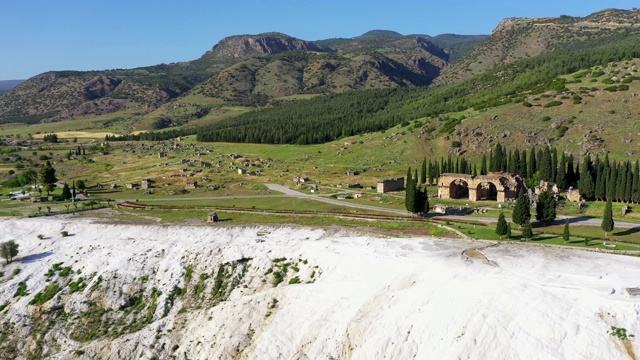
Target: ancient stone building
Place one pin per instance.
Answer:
(384, 186)
(495, 186)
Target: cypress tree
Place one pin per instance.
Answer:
(545, 165)
(522, 210)
(532, 166)
(571, 177)
(607, 218)
(483, 165)
(628, 190)
(504, 164)
(421, 201)
(586, 185)
(501, 227)
(613, 181)
(601, 183)
(410, 192)
(510, 162)
(636, 183)
(423, 172)
(491, 161)
(622, 181)
(523, 164)
(565, 232)
(546, 207)
(515, 168)
(508, 230)
(554, 164)
(561, 175)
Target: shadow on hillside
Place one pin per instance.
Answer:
(35, 257)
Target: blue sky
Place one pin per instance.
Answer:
(42, 35)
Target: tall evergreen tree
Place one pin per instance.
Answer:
(561, 175)
(546, 207)
(532, 165)
(607, 218)
(523, 164)
(622, 181)
(554, 164)
(522, 209)
(483, 165)
(491, 161)
(423, 172)
(601, 181)
(586, 185)
(628, 189)
(635, 197)
(571, 177)
(545, 165)
(410, 192)
(501, 227)
(613, 181)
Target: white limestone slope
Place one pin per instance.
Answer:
(373, 298)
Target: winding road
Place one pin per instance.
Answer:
(287, 192)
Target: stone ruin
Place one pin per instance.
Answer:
(495, 186)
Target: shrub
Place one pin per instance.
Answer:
(553, 103)
(22, 289)
(294, 280)
(546, 118)
(40, 236)
(561, 130)
(47, 294)
(64, 233)
(526, 104)
(456, 143)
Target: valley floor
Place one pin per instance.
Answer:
(258, 292)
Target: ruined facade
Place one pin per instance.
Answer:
(384, 186)
(495, 186)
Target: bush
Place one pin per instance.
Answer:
(64, 233)
(553, 103)
(546, 118)
(526, 104)
(456, 143)
(561, 130)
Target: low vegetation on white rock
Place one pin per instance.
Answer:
(112, 291)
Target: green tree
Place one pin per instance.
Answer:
(502, 226)
(410, 193)
(527, 232)
(423, 172)
(607, 218)
(565, 232)
(66, 192)
(9, 250)
(508, 230)
(586, 184)
(80, 184)
(483, 165)
(546, 207)
(522, 210)
(561, 175)
(47, 177)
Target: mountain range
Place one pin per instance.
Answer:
(382, 77)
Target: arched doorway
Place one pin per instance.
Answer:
(486, 191)
(459, 189)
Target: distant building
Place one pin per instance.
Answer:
(146, 183)
(388, 185)
(192, 185)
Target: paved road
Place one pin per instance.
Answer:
(293, 193)
(287, 192)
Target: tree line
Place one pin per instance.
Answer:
(327, 118)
